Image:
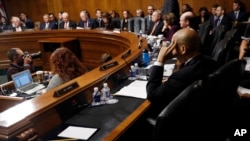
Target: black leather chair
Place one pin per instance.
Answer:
(204, 34)
(204, 111)
(216, 35)
(224, 49)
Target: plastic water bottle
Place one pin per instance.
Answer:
(96, 96)
(105, 92)
(145, 57)
(46, 76)
(137, 70)
(132, 73)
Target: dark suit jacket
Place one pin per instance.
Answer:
(10, 27)
(91, 23)
(71, 24)
(225, 22)
(29, 24)
(52, 25)
(172, 6)
(99, 23)
(158, 29)
(162, 94)
(241, 16)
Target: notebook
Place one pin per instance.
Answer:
(24, 83)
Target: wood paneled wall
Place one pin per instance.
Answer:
(36, 8)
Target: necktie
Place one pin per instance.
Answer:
(153, 30)
(235, 15)
(218, 22)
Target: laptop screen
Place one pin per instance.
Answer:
(22, 79)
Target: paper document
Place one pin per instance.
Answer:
(247, 68)
(77, 132)
(243, 90)
(135, 89)
(168, 69)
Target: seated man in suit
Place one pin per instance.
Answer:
(47, 25)
(98, 20)
(148, 18)
(156, 27)
(86, 21)
(19, 62)
(222, 18)
(53, 19)
(28, 23)
(194, 67)
(66, 22)
(237, 15)
(188, 20)
(16, 25)
(213, 15)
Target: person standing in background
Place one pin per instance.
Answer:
(172, 6)
(148, 18)
(27, 22)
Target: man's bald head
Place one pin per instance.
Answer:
(184, 23)
(188, 38)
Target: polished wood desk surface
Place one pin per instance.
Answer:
(40, 111)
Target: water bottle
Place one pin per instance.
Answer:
(50, 75)
(106, 92)
(132, 73)
(145, 57)
(137, 70)
(46, 76)
(140, 35)
(96, 96)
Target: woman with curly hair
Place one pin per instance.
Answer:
(65, 66)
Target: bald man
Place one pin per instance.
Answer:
(66, 22)
(185, 47)
(188, 20)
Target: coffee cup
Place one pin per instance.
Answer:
(39, 76)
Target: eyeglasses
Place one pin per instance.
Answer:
(150, 9)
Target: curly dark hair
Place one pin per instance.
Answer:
(64, 63)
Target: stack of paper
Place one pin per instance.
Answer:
(135, 89)
(73, 132)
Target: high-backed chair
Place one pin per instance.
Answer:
(204, 111)
(204, 34)
(136, 24)
(224, 49)
(217, 35)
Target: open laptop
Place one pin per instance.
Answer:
(24, 83)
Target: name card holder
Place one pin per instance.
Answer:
(66, 89)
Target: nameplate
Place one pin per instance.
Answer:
(126, 54)
(66, 89)
(109, 65)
